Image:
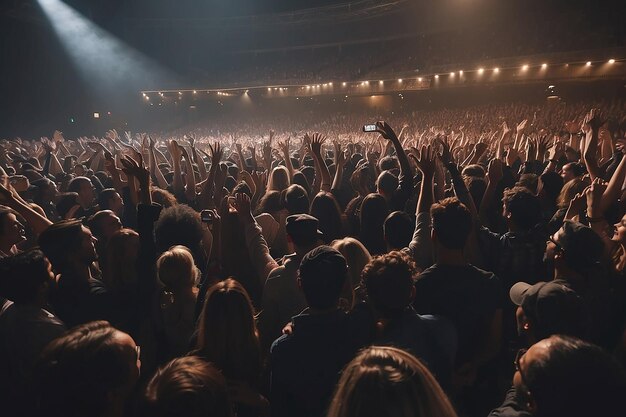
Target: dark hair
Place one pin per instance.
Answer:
(104, 197)
(242, 188)
(474, 170)
(60, 241)
(398, 229)
(552, 183)
(476, 187)
(575, 378)
(323, 273)
(528, 181)
(326, 209)
(452, 223)
(577, 169)
(300, 179)
(179, 225)
(524, 207)
(227, 334)
(65, 202)
(269, 203)
(389, 280)
(75, 184)
(295, 199)
(387, 182)
(374, 211)
(187, 387)
(387, 163)
(77, 372)
(23, 275)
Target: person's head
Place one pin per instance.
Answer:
(227, 334)
(388, 280)
(65, 203)
(521, 208)
(374, 211)
(572, 170)
(300, 179)
(24, 278)
(176, 269)
(388, 382)
(322, 276)
(356, 256)
(474, 170)
(11, 229)
(109, 199)
(122, 251)
(619, 235)
(85, 189)
(279, 179)
(452, 223)
(398, 229)
(45, 191)
(90, 371)
(270, 203)
(388, 163)
(574, 248)
(104, 224)
(528, 181)
(67, 245)
(326, 209)
(187, 387)
(547, 308)
(386, 184)
(242, 188)
(569, 190)
(476, 187)
(180, 225)
(295, 199)
(564, 376)
(550, 186)
(163, 197)
(303, 231)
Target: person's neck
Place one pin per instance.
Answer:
(301, 251)
(81, 270)
(450, 257)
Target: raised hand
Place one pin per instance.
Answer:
(425, 159)
(316, 143)
(136, 169)
(386, 131)
(494, 171)
(216, 154)
(594, 197)
(242, 204)
(522, 126)
(340, 156)
(445, 156)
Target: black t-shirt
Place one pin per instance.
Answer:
(464, 294)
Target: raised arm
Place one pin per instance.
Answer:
(320, 165)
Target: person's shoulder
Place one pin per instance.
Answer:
(428, 274)
(280, 345)
(481, 273)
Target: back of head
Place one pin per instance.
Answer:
(551, 184)
(179, 225)
(187, 387)
(65, 202)
(59, 241)
(398, 228)
(227, 334)
(575, 378)
(474, 170)
(388, 280)
(23, 276)
(76, 183)
(296, 199)
(388, 163)
(356, 256)
(78, 373)
(322, 274)
(104, 198)
(279, 179)
(326, 209)
(388, 382)
(528, 181)
(270, 203)
(452, 223)
(523, 206)
(374, 211)
(176, 269)
(387, 183)
(569, 190)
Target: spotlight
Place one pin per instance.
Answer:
(195, 92)
(180, 93)
(96, 115)
(437, 76)
(331, 84)
(544, 66)
(380, 82)
(481, 70)
(269, 89)
(419, 79)
(611, 61)
(367, 83)
(496, 70)
(399, 80)
(524, 67)
(452, 74)
(461, 72)
(343, 83)
(146, 97)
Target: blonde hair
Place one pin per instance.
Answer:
(279, 179)
(357, 256)
(388, 382)
(176, 269)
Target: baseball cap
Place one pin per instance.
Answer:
(323, 260)
(553, 306)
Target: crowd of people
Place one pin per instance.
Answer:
(464, 262)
